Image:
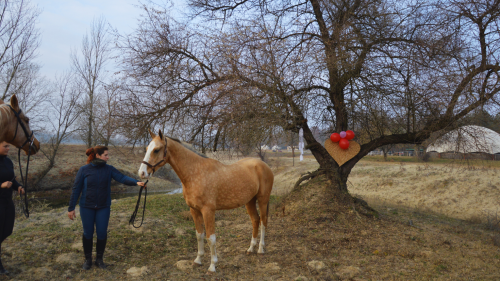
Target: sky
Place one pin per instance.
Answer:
(63, 23)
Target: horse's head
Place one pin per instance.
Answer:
(156, 155)
(19, 136)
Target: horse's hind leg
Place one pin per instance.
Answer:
(200, 234)
(263, 207)
(254, 216)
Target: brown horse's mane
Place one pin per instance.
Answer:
(174, 139)
(185, 144)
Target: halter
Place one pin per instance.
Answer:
(132, 218)
(161, 161)
(29, 139)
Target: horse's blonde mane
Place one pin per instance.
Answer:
(4, 114)
(188, 146)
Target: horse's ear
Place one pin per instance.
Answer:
(14, 103)
(1, 102)
(160, 134)
(152, 134)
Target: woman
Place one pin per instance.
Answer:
(93, 182)
(8, 184)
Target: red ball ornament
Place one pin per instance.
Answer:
(335, 137)
(344, 144)
(349, 134)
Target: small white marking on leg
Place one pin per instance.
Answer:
(252, 245)
(262, 235)
(201, 247)
(213, 253)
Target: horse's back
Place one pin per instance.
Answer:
(262, 171)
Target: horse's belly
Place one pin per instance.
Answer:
(235, 197)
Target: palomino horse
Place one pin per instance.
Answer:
(209, 185)
(15, 128)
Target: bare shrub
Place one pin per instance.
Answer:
(34, 205)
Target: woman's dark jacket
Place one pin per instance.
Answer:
(7, 174)
(7, 209)
(93, 182)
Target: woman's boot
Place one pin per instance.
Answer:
(100, 247)
(87, 250)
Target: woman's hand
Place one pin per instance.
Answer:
(6, 184)
(140, 183)
(71, 215)
(20, 190)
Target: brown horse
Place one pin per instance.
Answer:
(209, 185)
(15, 128)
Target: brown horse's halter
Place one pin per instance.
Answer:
(132, 218)
(29, 140)
(161, 161)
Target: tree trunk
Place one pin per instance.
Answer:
(337, 176)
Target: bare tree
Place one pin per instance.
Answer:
(395, 72)
(61, 118)
(89, 65)
(106, 123)
(19, 40)
(33, 91)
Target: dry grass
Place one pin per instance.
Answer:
(455, 190)
(304, 227)
(403, 243)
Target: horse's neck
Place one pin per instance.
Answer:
(185, 162)
(5, 118)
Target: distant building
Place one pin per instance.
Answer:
(467, 142)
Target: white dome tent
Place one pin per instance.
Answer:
(467, 139)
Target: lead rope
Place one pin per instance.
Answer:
(132, 218)
(24, 182)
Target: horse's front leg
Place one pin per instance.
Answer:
(200, 234)
(209, 219)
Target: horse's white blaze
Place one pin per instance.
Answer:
(143, 168)
(201, 247)
(262, 235)
(213, 253)
(252, 245)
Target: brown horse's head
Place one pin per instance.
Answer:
(20, 137)
(156, 155)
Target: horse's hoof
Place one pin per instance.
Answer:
(249, 253)
(211, 269)
(196, 264)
